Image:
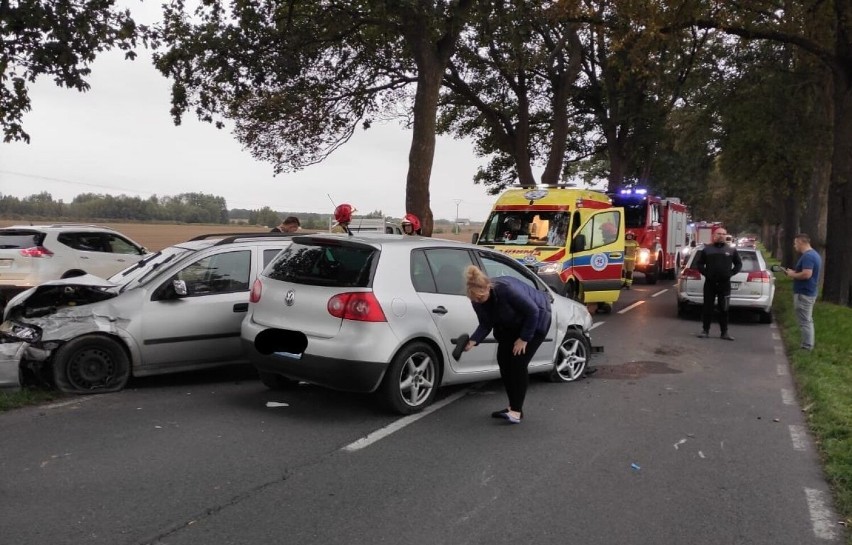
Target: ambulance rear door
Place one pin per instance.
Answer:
(597, 253)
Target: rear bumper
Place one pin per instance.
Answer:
(762, 303)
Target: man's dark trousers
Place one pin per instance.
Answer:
(716, 289)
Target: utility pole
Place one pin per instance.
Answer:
(456, 228)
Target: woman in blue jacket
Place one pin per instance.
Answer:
(519, 314)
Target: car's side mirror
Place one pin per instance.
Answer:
(474, 238)
(179, 287)
(777, 268)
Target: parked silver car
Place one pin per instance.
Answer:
(383, 313)
(752, 288)
(179, 309)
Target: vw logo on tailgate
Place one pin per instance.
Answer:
(290, 298)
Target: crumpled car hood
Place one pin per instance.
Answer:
(47, 298)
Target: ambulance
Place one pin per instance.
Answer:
(572, 238)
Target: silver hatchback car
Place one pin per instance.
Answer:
(178, 309)
(752, 288)
(383, 314)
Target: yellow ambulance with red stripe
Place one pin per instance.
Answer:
(572, 238)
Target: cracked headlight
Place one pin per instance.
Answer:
(550, 268)
(20, 332)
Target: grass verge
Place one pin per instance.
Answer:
(26, 396)
(824, 381)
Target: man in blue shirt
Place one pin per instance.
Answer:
(805, 279)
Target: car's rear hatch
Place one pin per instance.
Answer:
(753, 281)
(18, 250)
(296, 290)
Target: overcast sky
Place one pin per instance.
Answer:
(118, 138)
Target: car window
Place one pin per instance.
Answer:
(269, 255)
(750, 262)
(421, 274)
(495, 267)
(324, 264)
(227, 272)
(120, 245)
(20, 239)
(447, 267)
(84, 242)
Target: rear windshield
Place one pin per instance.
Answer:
(20, 239)
(319, 264)
(750, 262)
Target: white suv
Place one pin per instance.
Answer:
(33, 254)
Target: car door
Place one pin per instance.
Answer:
(202, 327)
(496, 265)
(437, 275)
(121, 253)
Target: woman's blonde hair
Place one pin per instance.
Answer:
(476, 280)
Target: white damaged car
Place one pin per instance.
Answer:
(179, 309)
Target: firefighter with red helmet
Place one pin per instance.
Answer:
(631, 247)
(342, 217)
(411, 224)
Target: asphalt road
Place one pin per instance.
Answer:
(675, 440)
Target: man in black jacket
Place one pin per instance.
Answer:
(717, 262)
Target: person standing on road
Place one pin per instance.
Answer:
(520, 316)
(289, 225)
(630, 248)
(717, 263)
(411, 224)
(805, 284)
(342, 218)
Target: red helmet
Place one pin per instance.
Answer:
(608, 228)
(343, 213)
(413, 220)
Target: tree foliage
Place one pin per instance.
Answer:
(55, 38)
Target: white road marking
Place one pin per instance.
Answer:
(634, 305)
(788, 397)
(381, 433)
(596, 324)
(821, 515)
(779, 350)
(660, 292)
(781, 369)
(68, 402)
(776, 336)
(799, 437)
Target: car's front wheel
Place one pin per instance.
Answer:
(91, 364)
(411, 381)
(572, 357)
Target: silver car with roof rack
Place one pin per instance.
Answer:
(382, 313)
(178, 309)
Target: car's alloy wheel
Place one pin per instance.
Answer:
(572, 357)
(411, 380)
(91, 364)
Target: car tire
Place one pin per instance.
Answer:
(765, 317)
(572, 291)
(652, 276)
(91, 364)
(411, 380)
(572, 357)
(274, 381)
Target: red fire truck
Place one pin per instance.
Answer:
(659, 225)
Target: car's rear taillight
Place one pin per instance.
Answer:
(361, 306)
(691, 274)
(36, 251)
(758, 276)
(256, 289)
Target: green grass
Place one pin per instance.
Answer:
(27, 396)
(824, 381)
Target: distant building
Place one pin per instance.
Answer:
(238, 221)
(463, 221)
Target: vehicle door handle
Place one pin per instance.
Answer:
(84, 257)
(241, 307)
(439, 310)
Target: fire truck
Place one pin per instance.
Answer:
(659, 226)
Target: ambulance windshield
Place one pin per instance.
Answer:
(535, 228)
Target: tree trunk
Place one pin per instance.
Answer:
(422, 152)
(837, 287)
